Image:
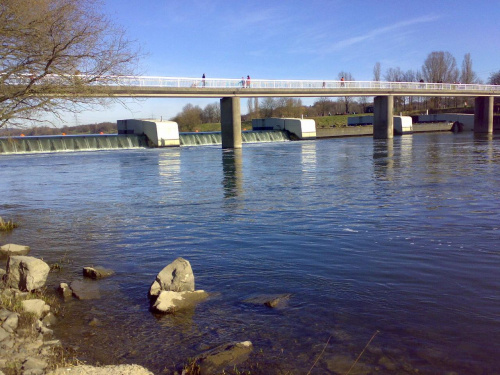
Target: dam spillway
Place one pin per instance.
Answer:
(100, 142)
(65, 143)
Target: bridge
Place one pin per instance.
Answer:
(231, 90)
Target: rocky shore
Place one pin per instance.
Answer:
(28, 313)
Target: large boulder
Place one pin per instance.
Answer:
(169, 302)
(176, 277)
(225, 356)
(26, 273)
(11, 249)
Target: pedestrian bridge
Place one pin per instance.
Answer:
(143, 86)
(231, 90)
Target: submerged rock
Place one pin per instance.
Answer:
(176, 277)
(97, 272)
(222, 357)
(26, 273)
(270, 300)
(85, 290)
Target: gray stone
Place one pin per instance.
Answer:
(4, 314)
(65, 290)
(36, 307)
(49, 320)
(177, 277)
(85, 290)
(169, 302)
(13, 249)
(10, 324)
(3, 334)
(34, 363)
(97, 272)
(225, 356)
(26, 273)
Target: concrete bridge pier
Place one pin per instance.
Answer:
(230, 117)
(483, 115)
(383, 123)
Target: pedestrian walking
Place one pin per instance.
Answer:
(248, 81)
(203, 79)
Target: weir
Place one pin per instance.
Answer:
(62, 143)
(215, 138)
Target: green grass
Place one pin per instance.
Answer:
(7, 225)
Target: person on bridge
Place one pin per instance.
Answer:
(342, 84)
(203, 79)
(242, 82)
(248, 81)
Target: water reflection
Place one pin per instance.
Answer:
(232, 166)
(383, 158)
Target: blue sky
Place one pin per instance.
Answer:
(296, 39)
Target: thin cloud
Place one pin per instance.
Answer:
(379, 31)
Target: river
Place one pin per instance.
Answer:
(391, 240)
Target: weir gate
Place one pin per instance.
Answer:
(231, 90)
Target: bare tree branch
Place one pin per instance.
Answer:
(54, 46)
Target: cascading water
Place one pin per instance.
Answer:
(36, 144)
(214, 138)
(20, 145)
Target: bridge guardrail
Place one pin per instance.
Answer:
(187, 82)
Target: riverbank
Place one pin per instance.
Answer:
(367, 130)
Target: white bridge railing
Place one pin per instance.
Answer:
(223, 83)
(184, 82)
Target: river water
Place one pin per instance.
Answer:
(395, 241)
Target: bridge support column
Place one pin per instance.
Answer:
(483, 115)
(383, 123)
(230, 117)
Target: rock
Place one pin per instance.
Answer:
(270, 300)
(35, 306)
(4, 314)
(2, 272)
(10, 324)
(3, 334)
(85, 290)
(65, 290)
(97, 272)
(12, 249)
(34, 366)
(106, 370)
(26, 273)
(223, 357)
(49, 320)
(169, 302)
(177, 277)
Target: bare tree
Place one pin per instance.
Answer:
(54, 46)
(211, 113)
(440, 67)
(495, 78)
(189, 117)
(256, 107)
(347, 99)
(468, 75)
(376, 72)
